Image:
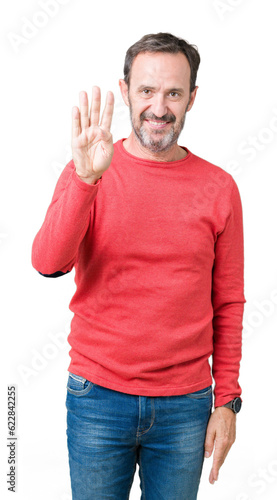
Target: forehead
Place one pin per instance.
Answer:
(160, 67)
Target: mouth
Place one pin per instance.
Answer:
(157, 125)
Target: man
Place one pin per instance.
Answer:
(156, 237)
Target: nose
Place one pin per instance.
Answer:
(158, 107)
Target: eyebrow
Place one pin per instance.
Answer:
(150, 87)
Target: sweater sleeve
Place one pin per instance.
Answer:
(228, 303)
(56, 244)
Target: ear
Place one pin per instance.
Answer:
(124, 91)
(192, 98)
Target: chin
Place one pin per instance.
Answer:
(159, 145)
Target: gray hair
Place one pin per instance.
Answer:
(163, 42)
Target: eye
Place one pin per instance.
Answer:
(146, 91)
(174, 94)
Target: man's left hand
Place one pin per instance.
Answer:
(220, 435)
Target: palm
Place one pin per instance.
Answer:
(87, 148)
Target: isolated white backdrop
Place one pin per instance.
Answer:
(46, 60)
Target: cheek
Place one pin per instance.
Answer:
(180, 113)
(139, 110)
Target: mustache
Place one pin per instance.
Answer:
(164, 118)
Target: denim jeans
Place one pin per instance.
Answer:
(109, 432)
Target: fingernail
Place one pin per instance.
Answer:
(207, 454)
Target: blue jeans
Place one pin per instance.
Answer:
(108, 432)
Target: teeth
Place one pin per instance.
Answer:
(157, 123)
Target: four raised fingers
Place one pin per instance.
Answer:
(81, 119)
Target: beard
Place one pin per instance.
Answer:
(157, 140)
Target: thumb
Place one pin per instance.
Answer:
(105, 135)
(209, 444)
(106, 143)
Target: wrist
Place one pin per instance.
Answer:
(89, 180)
(234, 405)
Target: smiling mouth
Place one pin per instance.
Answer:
(157, 125)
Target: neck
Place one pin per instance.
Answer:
(134, 147)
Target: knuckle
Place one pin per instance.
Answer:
(219, 460)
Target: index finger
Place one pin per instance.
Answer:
(107, 115)
(220, 453)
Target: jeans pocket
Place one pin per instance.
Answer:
(203, 393)
(77, 385)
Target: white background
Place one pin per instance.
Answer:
(233, 124)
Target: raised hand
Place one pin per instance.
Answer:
(92, 143)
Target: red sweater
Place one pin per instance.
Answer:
(158, 255)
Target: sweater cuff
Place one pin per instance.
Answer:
(83, 185)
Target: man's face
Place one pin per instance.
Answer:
(159, 97)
